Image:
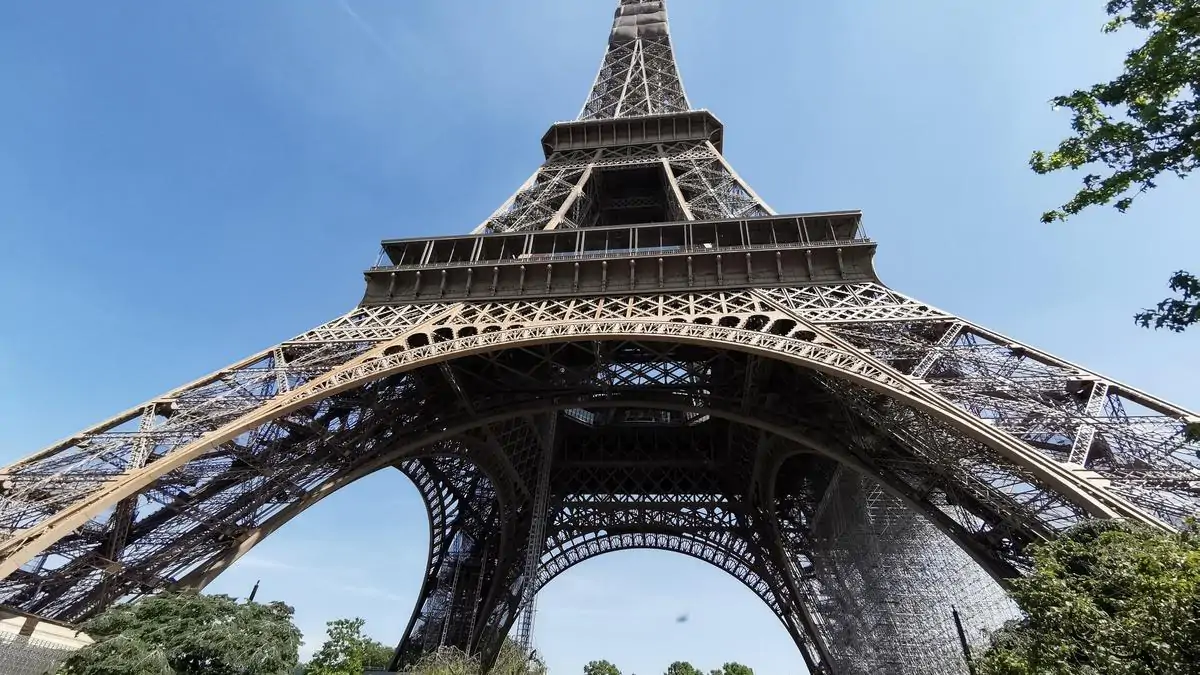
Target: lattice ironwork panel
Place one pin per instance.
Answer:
(638, 75)
(712, 191)
(886, 584)
(693, 371)
(631, 155)
(537, 203)
(1137, 444)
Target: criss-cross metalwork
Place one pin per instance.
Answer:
(633, 352)
(638, 75)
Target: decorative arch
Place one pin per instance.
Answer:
(402, 456)
(408, 457)
(388, 367)
(396, 357)
(714, 553)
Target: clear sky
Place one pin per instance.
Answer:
(182, 183)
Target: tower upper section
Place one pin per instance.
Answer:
(638, 75)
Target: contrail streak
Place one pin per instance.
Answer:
(370, 32)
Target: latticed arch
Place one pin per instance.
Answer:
(410, 459)
(400, 369)
(975, 503)
(674, 542)
(433, 347)
(742, 558)
(396, 357)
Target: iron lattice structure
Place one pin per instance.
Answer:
(634, 351)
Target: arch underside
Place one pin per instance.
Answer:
(796, 397)
(858, 578)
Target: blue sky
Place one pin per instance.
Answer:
(183, 183)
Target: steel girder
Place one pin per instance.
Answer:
(700, 185)
(237, 454)
(638, 75)
(464, 515)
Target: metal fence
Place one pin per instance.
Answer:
(22, 655)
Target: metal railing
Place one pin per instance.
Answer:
(22, 655)
(640, 252)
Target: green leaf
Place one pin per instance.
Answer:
(1106, 597)
(1140, 125)
(189, 634)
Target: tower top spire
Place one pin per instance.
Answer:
(638, 75)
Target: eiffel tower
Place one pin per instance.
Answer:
(634, 351)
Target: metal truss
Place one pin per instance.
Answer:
(227, 460)
(462, 510)
(537, 532)
(638, 75)
(694, 183)
(631, 155)
(1131, 442)
(862, 461)
(637, 78)
(887, 585)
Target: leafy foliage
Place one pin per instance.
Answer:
(733, 669)
(1107, 598)
(347, 651)
(120, 655)
(377, 654)
(189, 634)
(448, 661)
(516, 660)
(682, 668)
(601, 668)
(677, 668)
(1178, 313)
(1142, 124)
(512, 660)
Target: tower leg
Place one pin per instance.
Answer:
(463, 514)
(473, 584)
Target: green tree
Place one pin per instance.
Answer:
(733, 668)
(378, 655)
(448, 661)
(1141, 125)
(1105, 598)
(1176, 313)
(347, 650)
(601, 668)
(513, 659)
(682, 668)
(189, 634)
